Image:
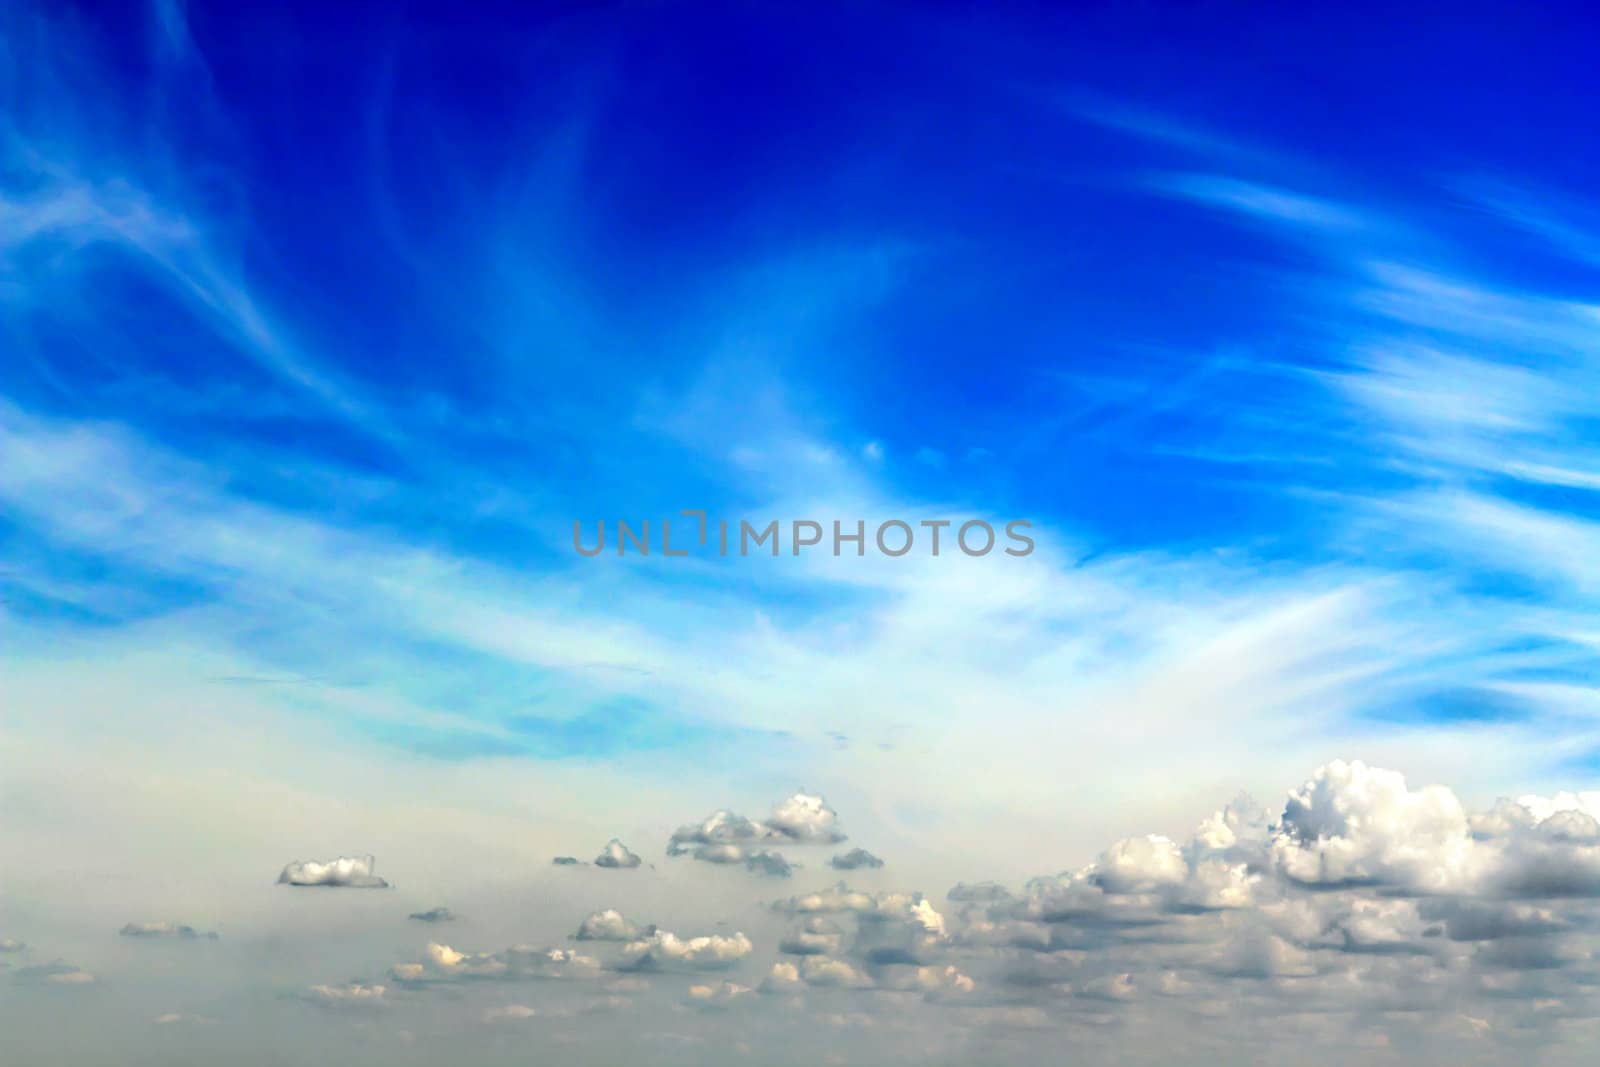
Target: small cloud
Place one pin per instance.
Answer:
(10, 945)
(855, 859)
(346, 872)
(509, 1013)
(717, 996)
(352, 997)
(434, 915)
(57, 973)
(616, 856)
(611, 925)
(872, 452)
(771, 864)
(567, 861)
(174, 931)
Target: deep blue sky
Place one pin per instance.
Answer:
(1290, 291)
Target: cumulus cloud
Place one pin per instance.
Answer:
(434, 915)
(665, 950)
(440, 963)
(610, 925)
(175, 931)
(855, 859)
(346, 872)
(616, 855)
(813, 936)
(721, 995)
(728, 839)
(1364, 894)
(824, 971)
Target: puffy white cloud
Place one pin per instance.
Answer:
(663, 949)
(1351, 824)
(806, 819)
(610, 925)
(720, 995)
(813, 936)
(728, 839)
(782, 978)
(616, 856)
(347, 872)
(441, 963)
(825, 971)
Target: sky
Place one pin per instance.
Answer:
(330, 340)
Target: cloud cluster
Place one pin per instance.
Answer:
(728, 839)
(663, 950)
(346, 872)
(441, 964)
(1363, 897)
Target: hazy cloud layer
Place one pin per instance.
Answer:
(175, 931)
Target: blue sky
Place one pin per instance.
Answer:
(319, 329)
(406, 280)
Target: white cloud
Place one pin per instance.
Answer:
(441, 963)
(351, 997)
(350, 872)
(663, 949)
(610, 925)
(616, 855)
